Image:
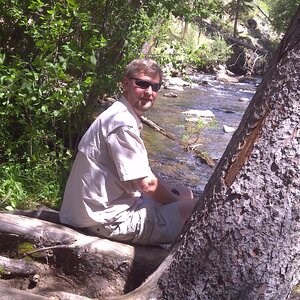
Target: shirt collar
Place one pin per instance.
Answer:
(130, 109)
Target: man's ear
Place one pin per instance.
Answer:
(125, 83)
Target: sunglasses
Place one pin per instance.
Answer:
(143, 84)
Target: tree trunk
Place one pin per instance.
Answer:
(243, 239)
(236, 17)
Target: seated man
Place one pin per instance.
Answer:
(111, 191)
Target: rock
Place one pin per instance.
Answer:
(192, 119)
(170, 95)
(200, 113)
(175, 83)
(244, 99)
(246, 79)
(228, 129)
(174, 87)
(223, 77)
(252, 23)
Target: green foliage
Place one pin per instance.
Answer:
(193, 131)
(24, 248)
(193, 10)
(211, 52)
(25, 185)
(44, 79)
(183, 46)
(240, 8)
(47, 67)
(282, 12)
(3, 272)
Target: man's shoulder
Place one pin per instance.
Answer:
(117, 115)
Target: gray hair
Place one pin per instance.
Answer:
(147, 65)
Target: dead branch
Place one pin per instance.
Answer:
(11, 267)
(203, 156)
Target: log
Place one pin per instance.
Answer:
(69, 260)
(232, 39)
(19, 267)
(7, 293)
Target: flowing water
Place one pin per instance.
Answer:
(168, 158)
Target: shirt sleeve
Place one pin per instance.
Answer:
(129, 154)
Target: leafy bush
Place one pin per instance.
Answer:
(47, 67)
(184, 46)
(25, 186)
(282, 12)
(211, 52)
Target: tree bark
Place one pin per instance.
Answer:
(243, 239)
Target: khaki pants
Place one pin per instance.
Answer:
(145, 223)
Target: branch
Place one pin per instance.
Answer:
(203, 156)
(10, 266)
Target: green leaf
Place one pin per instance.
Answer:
(93, 59)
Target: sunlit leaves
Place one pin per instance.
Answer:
(281, 13)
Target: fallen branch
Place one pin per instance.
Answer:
(12, 267)
(203, 156)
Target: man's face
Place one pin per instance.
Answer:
(139, 93)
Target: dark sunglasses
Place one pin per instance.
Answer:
(143, 84)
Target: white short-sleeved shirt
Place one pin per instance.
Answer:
(109, 155)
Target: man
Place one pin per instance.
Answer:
(111, 191)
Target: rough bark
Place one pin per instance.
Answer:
(243, 239)
(46, 258)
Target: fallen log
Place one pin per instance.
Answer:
(46, 258)
(18, 267)
(201, 155)
(234, 40)
(15, 294)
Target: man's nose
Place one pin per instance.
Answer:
(149, 89)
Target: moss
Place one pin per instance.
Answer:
(3, 272)
(24, 248)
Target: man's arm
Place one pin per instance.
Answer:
(156, 189)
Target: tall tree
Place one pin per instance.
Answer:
(243, 239)
(238, 8)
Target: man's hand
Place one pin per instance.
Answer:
(159, 191)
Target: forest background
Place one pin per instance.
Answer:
(59, 60)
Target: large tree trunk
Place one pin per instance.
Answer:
(243, 239)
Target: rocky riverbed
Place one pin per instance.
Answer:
(182, 102)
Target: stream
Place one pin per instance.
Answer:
(167, 157)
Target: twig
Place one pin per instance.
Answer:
(44, 249)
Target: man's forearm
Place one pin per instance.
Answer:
(163, 193)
